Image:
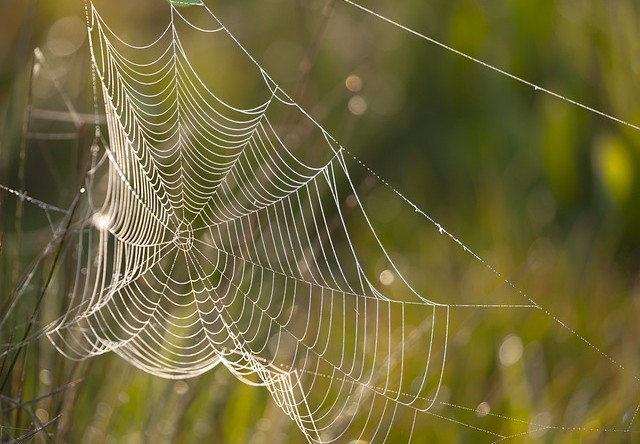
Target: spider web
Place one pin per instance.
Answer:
(218, 244)
(207, 238)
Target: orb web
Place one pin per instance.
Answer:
(218, 244)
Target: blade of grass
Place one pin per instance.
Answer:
(41, 397)
(34, 432)
(21, 169)
(36, 309)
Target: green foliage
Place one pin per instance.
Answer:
(185, 2)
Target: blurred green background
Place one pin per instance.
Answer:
(545, 192)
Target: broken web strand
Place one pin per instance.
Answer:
(47, 208)
(425, 216)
